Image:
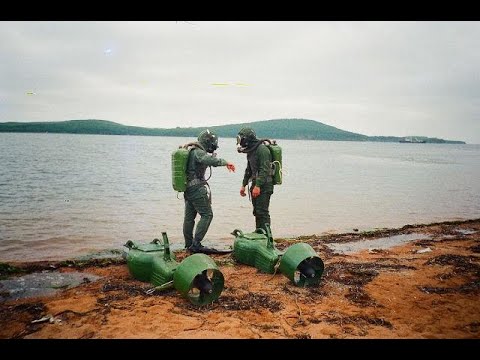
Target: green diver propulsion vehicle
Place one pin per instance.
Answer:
(299, 262)
(197, 277)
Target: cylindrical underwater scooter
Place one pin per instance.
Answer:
(197, 277)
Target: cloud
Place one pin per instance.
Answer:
(377, 78)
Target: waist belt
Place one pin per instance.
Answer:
(196, 182)
(268, 179)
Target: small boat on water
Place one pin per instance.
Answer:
(411, 139)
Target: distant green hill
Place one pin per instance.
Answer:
(297, 129)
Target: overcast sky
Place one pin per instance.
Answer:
(374, 78)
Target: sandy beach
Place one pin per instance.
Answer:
(426, 288)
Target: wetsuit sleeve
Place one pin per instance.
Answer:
(203, 158)
(247, 175)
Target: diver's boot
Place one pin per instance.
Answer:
(197, 247)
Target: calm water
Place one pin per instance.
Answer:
(65, 195)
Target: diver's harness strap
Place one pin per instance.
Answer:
(201, 182)
(193, 144)
(196, 182)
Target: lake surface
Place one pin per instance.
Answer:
(65, 195)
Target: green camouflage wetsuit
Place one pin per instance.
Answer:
(259, 171)
(196, 196)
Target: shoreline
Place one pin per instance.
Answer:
(373, 293)
(85, 259)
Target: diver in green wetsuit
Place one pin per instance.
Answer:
(259, 172)
(197, 199)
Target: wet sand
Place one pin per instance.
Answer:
(373, 293)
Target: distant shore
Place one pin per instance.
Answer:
(293, 129)
(426, 288)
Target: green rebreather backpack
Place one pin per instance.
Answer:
(179, 166)
(276, 152)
